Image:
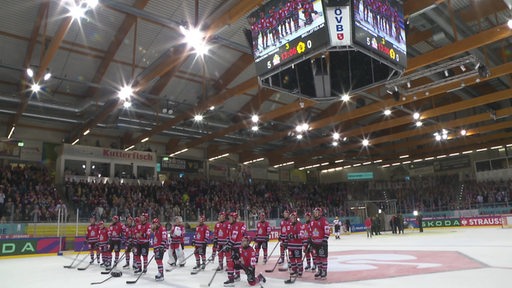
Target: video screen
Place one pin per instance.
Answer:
(283, 30)
(379, 27)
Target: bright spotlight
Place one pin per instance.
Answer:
(416, 115)
(254, 128)
(30, 72)
(509, 23)
(335, 135)
(92, 3)
(35, 87)
(366, 142)
(387, 112)
(255, 118)
(77, 12)
(125, 92)
(47, 76)
(198, 117)
(127, 104)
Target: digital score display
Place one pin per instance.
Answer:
(379, 27)
(284, 30)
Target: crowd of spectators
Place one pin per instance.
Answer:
(29, 194)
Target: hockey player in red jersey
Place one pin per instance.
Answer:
(306, 240)
(246, 260)
(236, 233)
(159, 246)
(320, 232)
(263, 230)
(200, 242)
(92, 239)
(220, 238)
(106, 256)
(295, 237)
(143, 233)
(176, 235)
(283, 236)
(114, 237)
(128, 240)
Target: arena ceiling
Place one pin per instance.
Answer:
(139, 42)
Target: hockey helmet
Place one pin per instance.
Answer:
(293, 216)
(319, 210)
(115, 218)
(234, 215)
(308, 214)
(145, 215)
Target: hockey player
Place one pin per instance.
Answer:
(143, 233)
(128, 240)
(263, 230)
(306, 240)
(220, 238)
(177, 235)
(337, 226)
(320, 232)
(295, 236)
(200, 242)
(159, 245)
(114, 237)
(92, 239)
(235, 235)
(246, 260)
(106, 256)
(283, 237)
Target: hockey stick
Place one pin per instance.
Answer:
(277, 262)
(215, 273)
(273, 249)
(115, 265)
(105, 280)
(71, 265)
(138, 277)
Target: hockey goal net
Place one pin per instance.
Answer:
(506, 221)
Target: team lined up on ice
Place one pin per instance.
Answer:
(306, 241)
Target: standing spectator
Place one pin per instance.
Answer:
(368, 225)
(62, 211)
(419, 220)
(337, 226)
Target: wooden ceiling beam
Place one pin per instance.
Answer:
(481, 9)
(472, 42)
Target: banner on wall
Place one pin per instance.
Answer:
(10, 247)
(78, 151)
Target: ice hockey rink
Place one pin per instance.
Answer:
(463, 257)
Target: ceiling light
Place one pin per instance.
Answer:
(334, 143)
(345, 97)
(144, 140)
(419, 123)
(86, 132)
(336, 135)
(77, 11)
(125, 92)
(11, 132)
(198, 117)
(47, 76)
(387, 112)
(463, 132)
(255, 118)
(366, 142)
(254, 128)
(416, 115)
(35, 87)
(509, 23)
(212, 108)
(127, 104)
(299, 136)
(30, 72)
